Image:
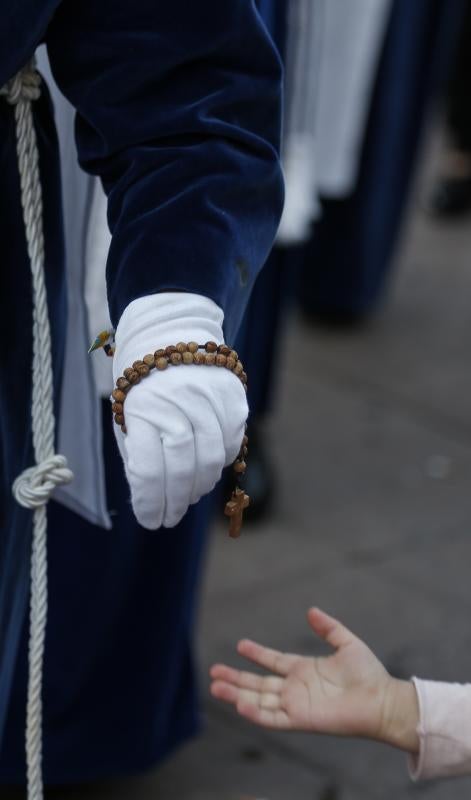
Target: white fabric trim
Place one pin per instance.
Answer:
(80, 399)
(332, 54)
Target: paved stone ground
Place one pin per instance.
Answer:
(373, 522)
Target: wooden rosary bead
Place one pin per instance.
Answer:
(221, 360)
(230, 362)
(137, 364)
(240, 467)
(210, 359)
(124, 429)
(149, 361)
(211, 347)
(123, 384)
(118, 395)
(187, 357)
(117, 408)
(181, 347)
(238, 369)
(199, 358)
(243, 377)
(233, 354)
(170, 349)
(159, 354)
(224, 350)
(119, 419)
(131, 375)
(161, 363)
(192, 347)
(176, 359)
(142, 370)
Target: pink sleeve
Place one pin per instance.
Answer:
(444, 730)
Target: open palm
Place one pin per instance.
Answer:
(343, 693)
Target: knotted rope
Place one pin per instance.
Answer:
(33, 487)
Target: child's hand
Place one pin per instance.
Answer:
(348, 693)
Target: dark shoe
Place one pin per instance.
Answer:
(451, 197)
(335, 319)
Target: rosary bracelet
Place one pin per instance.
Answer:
(209, 354)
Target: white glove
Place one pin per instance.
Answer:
(184, 424)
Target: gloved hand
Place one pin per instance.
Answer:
(184, 424)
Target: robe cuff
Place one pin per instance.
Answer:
(444, 730)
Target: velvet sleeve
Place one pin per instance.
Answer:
(178, 111)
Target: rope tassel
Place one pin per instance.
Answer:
(34, 486)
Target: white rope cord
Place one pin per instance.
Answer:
(33, 487)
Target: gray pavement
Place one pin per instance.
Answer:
(372, 441)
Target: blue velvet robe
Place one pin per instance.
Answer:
(178, 111)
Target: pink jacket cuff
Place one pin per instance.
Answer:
(444, 730)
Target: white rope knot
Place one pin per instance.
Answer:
(35, 485)
(25, 85)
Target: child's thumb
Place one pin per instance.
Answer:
(329, 629)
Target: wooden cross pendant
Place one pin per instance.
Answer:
(235, 508)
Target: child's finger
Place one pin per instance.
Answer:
(246, 680)
(232, 694)
(276, 719)
(329, 628)
(273, 660)
(224, 691)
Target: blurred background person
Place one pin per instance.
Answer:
(347, 261)
(361, 79)
(451, 195)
